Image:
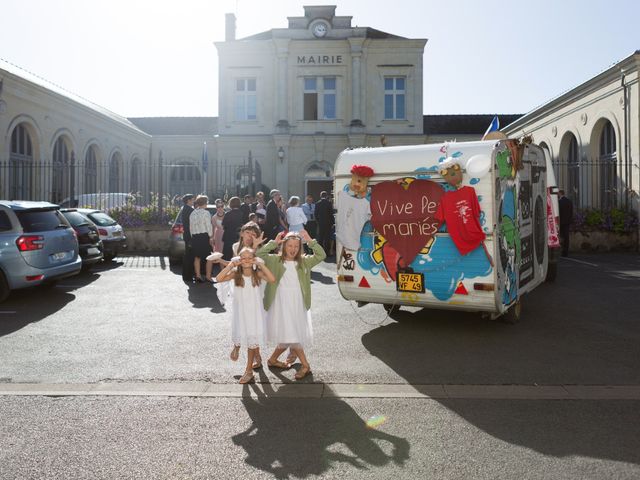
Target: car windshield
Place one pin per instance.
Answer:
(102, 219)
(40, 220)
(76, 219)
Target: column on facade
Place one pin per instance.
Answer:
(356, 89)
(282, 50)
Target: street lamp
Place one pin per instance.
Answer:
(281, 154)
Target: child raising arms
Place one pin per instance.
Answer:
(288, 299)
(248, 321)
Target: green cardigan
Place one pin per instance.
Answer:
(275, 264)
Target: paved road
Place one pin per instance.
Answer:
(135, 326)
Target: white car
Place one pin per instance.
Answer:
(111, 232)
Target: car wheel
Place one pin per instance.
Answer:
(108, 258)
(174, 261)
(4, 288)
(512, 316)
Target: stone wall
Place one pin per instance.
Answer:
(153, 238)
(603, 242)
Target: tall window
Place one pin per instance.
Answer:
(245, 98)
(60, 181)
(573, 170)
(607, 164)
(115, 169)
(394, 98)
(319, 98)
(90, 171)
(21, 164)
(135, 176)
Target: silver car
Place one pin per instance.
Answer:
(37, 245)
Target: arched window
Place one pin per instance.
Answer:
(91, 171)
(136, 167)
(21, 167)
(569, 167)
(63, 173)
(115, 173)
(607, 163)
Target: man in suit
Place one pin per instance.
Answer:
(566, 217)
(246, 209)
(324, 221)
(187, 259)
(272, 222)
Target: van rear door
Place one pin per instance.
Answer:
(47, 240)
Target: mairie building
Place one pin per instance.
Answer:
(290, 100)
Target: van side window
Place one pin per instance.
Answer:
(5, 223)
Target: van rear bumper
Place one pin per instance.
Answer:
(52, 273)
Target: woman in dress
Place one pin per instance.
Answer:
(201, 235)
(218, 229)
(288, 300)
(248, 322)
(295, 215)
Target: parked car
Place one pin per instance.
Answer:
(111, 232)
(101, 201)
(37, 245)
(176, 242)
(89, 242)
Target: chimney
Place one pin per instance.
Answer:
(230, 27)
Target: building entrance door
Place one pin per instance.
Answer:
(314, 187)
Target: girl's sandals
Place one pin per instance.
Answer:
(257, 363)
(278, 364)
(291, 358)
(247, 378)
(235, 353)
(303, 372)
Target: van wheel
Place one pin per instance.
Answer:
(4, 288)
(391, 308)
(552, 272)
(512, 316)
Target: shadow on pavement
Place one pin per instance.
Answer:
(319, 277)
(582, 330)
(279, 440)
(36, 303)
(203, 295)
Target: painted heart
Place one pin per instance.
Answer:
(406, 217)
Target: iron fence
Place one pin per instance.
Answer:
(604, 183)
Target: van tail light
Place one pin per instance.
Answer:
(27, 243)
(177, 229)
(34, 278)
(345, 278)
(103, 232)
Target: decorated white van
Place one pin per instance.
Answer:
(446, 226)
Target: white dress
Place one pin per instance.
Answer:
(288, 321)
(248, 324)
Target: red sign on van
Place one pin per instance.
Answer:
(405, 217)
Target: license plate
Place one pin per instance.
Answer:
(410, 282)
(92, 251)
(56, 257)
(116, 234)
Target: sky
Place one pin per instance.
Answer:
(148, 58)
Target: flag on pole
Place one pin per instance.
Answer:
(494, 126)
(205, 159)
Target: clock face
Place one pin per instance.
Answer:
(320, 29)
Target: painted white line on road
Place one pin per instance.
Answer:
(326, 390)
(579, 261)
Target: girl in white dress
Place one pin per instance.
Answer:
(288, 299)
(248, 322)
